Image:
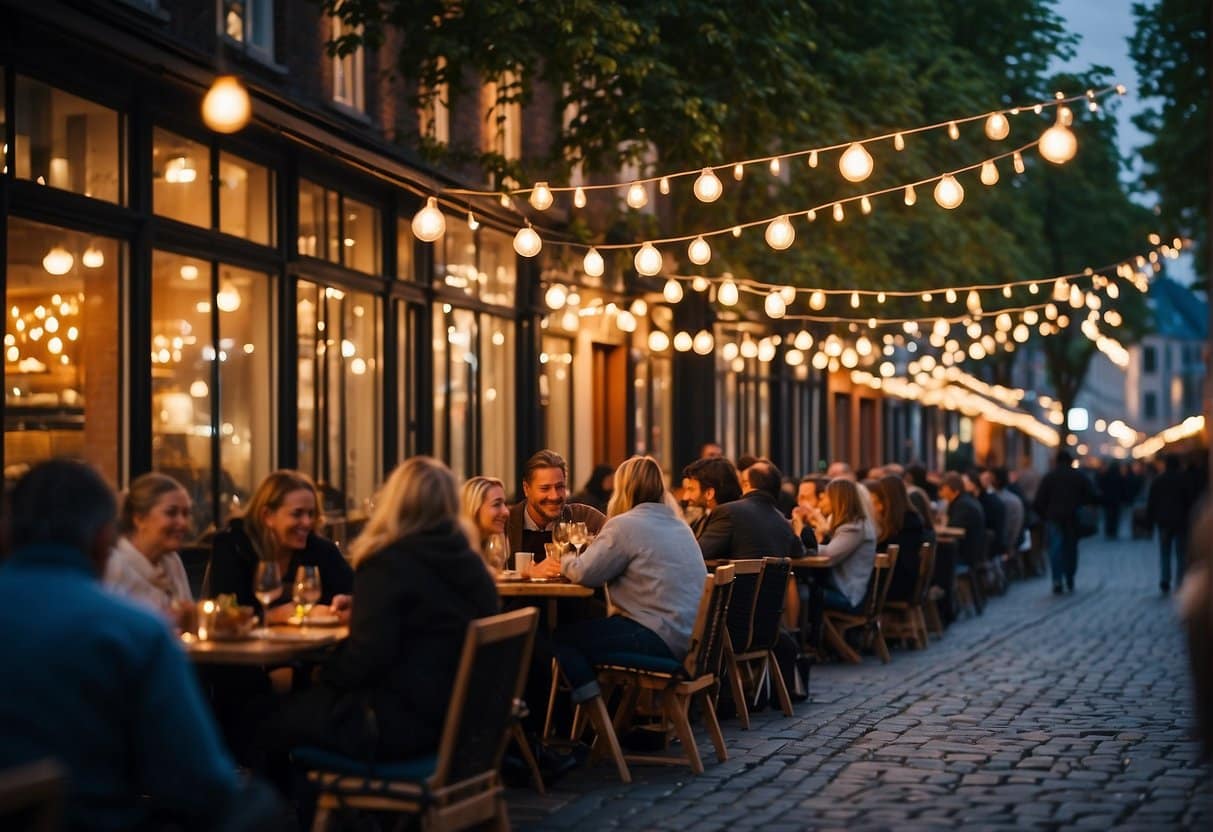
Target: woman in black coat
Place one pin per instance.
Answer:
(900, 524)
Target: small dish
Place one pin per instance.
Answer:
(315, 620)
(509, 575)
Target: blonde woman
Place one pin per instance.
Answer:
(650, 563)
(153, 524)
(279, 525)
(485, 508)
(849, 541)
(419, 583)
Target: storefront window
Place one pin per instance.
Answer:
(340, 344)
(181, 178)
(3, 128)
(312, 220)
(67, 142)
(498, 275)
(497, 397)
(246, 200)
(404, 249)
(338, 229)
(455, 365)
(456, 256)
(62, 348)
(361, 237)
(556, 393)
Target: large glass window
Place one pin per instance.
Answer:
(3, 128)
(349, 74)
(556, 393)
(404, 249)
(181, 178)
(246, 200)
(67, 142)
(456, 256)
(497, 397)
(498, 276)
(62, 348)
(340, 344)
(336, 228)
(455, 367)
(250, 23)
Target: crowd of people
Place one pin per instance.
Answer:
(106, 684)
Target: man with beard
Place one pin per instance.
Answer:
(545, 490)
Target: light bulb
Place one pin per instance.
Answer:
(803, 340)
(950, 296)
(93, 258)
(820, 360)
(899, 142)
(880, 297)
(429, 223)
(973, 301)
(780, 234)
(812, 215)
(812, 158)
(699, 252)
(774, 305)
(737, 231)
(58, 261)
(838, 214)
(556, 296)
(775, 167)
(1017, 161)
(700, 283)
(1076, 296)
(729, 351)
(1065, 116)
(1058, 144)
(794, 357)
(1020, 333)
(865, 205)
(672, 291)
(473, 223)
(658, 341)
(953, 131)
(1031, 317)
(228, 299)
(749, 349)
(707, 187)
(855, 163)
(989, 172)
(226, 107)
(849, 358)
(647, 260)
(738, 172)
(817, 301)
(639, 308)
(579, 197)
(541, 196)
(788, 293)
(664, 185)
(727, 294)
(626, 321)
(997, 127)
(683, 341)
(704, 343)
(592, 263)
(527, 242)
(948, 192)
(854, 300)
(638, 196)
(911, 195)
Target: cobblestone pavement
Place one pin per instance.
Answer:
(1047, 712)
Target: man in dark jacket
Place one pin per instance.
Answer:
(1169, 507)
(545, 487)
(707, 484)
(753, 527)
(1062, 492)
(964, 512)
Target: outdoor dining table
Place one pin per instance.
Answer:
(550, 590)
(812, 614)
(284, 645)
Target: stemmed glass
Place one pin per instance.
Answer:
(560, 533)
(578, 536)
(267, 586)
(495, 551)
(307, 589)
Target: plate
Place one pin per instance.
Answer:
(315, 620)
(558, 580)
(233, 635)
(509, 575)
(298, 635)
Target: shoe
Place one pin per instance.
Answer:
(1057, 590)
(1165, 587)
(1070, 586)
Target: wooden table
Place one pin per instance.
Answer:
(266, 652)
(949, 533)
(542, 589)
(812, 615)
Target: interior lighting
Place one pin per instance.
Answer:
(556, 296)
(93, 258)
(58, 261)
(683, 341)
(703, 343)
(658, 341)
(228, 299)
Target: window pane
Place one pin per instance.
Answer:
(498, 268)
(556, 394)
(181, 179)
(404, 249)
(312, 232)
(246, 199)
(3, 130)
(361, 243)
(497, 398)
(456, 255)
(406, 405)
(62, 372)
(454, 359)
(67, 142)
(332, 226)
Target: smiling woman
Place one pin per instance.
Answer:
(154, 523)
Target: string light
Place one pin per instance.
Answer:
(727, 295)
(699, 252)
(579, 197)
(592, 264)
(997, 127)
(707, 187)
(899, 142)
(948, 192)
(638, 196)
(911, 197)
(527, 242)
(429, 223)
(780, 234)
(648, 260)
(672, 291)
(774, 305)
(856, 163)
(989, 173)
(1058, 144)
(541, 197)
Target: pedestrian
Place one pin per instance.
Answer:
(1169, 508)
(1062, 492)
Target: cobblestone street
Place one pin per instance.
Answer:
(1046, 712)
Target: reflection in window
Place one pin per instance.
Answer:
(61, 364)
(497, 397)
(360, 237)
(498, 274)
(455, 366)
(556, 393)
(246, 199)
(189, 369)
(456, 256)
(67, 142)
(348, 70)
(338, 229)
(339, 388)
(181, 169)
(503, 125)
(404, 249)
(251, 23)
(435, 116)
(3, 128)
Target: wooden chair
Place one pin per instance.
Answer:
(676, 684)
(31, 797)
(750, 661)
(906, 619)
(837, 623)
(970, 581)
(460, 786)
(739, 625)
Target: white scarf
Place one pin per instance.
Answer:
(130, 573)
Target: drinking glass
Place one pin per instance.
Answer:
(495, 551)
(267, 586)
(578, 536)
(560, 532)
(307, 589)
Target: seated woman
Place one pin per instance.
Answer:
(850, 541)
(144, 565)
(485, 508)
(279, 525)
(898, 523)
(419, 583)
(653, 569)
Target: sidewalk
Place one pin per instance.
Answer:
(1048, 712)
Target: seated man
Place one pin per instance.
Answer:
(545, 489)
(753, 526)
(707, 484)
(99, 683)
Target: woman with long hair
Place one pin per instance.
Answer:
(279, 525)
(153, 523)
(487, 513)
(849, 541)
(653, 570)
(899, 523)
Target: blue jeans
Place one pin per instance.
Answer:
(589, 642)
(1168, 541)
(1063, 551)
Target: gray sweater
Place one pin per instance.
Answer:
(856, 543)
(652, 568)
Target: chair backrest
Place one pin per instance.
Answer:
(491, 676)
(768, 603)
(707, 638)
(926, 571)
(878, 585)
(740, 619)
(31, 796)
(196, 558)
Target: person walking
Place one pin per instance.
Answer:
(1169, 508)
(1062, 492)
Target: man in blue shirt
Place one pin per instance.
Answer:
(96, 682)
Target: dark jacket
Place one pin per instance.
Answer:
(413, 602)
(909, 538)
(966, 513)
(1169, 505)
(234, 564)
(577, 513)
(1062, 491)
(752, 527)
(996, 520)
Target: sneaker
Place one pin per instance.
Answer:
(1057, 590)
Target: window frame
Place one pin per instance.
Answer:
(351, 68)
(261, 51)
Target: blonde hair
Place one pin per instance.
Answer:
(270, 496)
(420, 494)
(472, 496)
(638, 480)
(847, 503)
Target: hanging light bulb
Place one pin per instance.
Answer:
(556, 296)
(780, 234)
(774, 305)
(865, 205)
(973, 301)
(738, 172)
(1006, 291)
(950, 296)
(788, 293)
(880, 297)
(911, 196)
(766, 350)
(838, 213)
(626, 321)
(704, 343)
(683, 341)
(700, 283)
(727, 295)
(989, 172)
(997, 127)
(1033, 288)
(699, 252)
(817, 301)
(775, 167)
(429, 223)
(638, 195)
(899, 142)
(592, 264)
(93, 258)
(1076, 296)
(812, 215)
(228, 299)
(1058, 144)
(664, 185)
(948, 192)
(1113, 291)
(854, 300)
(527, 242)
(707, 187)
(953, 131)
(541, 196)
(1017, 161)
(849, 358)
(658, 341)
(737, 231)
(855, 164)
(812, 158)
(58, 261)
(820, 360)
(672, 291)
(579, 197)
(1020, 333)
(473, 223)
(794, 357)
(226, 107)
(647, 260)
(803, 340)
(749, 349)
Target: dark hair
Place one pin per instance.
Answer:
(60, 501)
(745, 461)
(1002, 478)
(954, 481)
(819, 483)
(892, 492)
(142, 497)
(766, 477)
(1063, 457)
(594, 484)
(917, 475)
(717, 473)
(918, 499)
(544, 459)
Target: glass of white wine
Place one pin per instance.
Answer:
(267, 586)
(578, 536)
(496, 551)
(307, 589)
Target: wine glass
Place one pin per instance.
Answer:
(495, 550)
(560, 533)
(267, 586)
(578, 536)
(307, 589)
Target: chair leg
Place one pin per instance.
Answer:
(931, 619)
(606, 733)
(839, 643)
(676, 713)
(528, 755)
(552, 691)
(738, 689)
(878, 642)
(781, 688)
(709, 716)
(320, 821)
